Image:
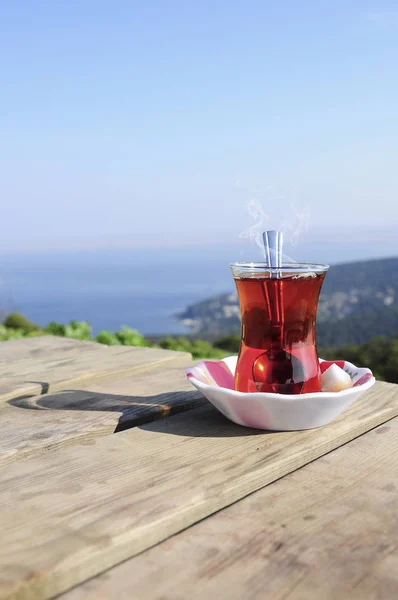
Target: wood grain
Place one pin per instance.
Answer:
(37, 424)
(326, 531)
(34, 366)
(32, 348)
(78, 511)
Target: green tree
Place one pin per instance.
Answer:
(108, 338)
(18, 321)
(131, 337)
(229, 343)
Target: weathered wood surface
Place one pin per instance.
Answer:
(325, 532)
(34, 366)
(33, 425)
(75, 512)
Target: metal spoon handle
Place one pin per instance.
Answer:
(273, 245)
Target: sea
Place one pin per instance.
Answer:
(141, 287)
(110, 288)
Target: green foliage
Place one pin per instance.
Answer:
(10, 333)
(131, 337)
(108, 338)
(55, 328)
(229, 343)
(80, 330)
(179, 343)
(379, 354)
(203, 349)
(198, 348)
(18, 321)
(36, 333)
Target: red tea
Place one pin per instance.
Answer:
(278, 346)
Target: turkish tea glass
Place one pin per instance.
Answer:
(278, 338)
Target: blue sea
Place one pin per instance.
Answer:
(109, 288)
(142, 288)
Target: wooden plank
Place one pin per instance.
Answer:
(326, 531)
(15, 354)
(78, 511)
(35, 366)
(31, 348)
(33, 425)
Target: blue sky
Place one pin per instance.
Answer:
(134, 122)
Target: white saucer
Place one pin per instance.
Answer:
(275, 412)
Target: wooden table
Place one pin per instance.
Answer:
(187, 506)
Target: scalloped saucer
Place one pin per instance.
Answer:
(275, 412)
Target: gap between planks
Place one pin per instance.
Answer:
(79, 511)
(328, 530)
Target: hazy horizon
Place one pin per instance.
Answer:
(331, 248)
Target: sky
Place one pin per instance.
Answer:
(156, 123)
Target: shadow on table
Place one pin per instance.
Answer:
(141, 410)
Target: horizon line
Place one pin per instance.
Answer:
(374, 235)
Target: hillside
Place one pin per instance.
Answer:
(358, 301)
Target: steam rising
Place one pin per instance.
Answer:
(294, 223)
(255, 232)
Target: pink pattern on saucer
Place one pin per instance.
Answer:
(283, 412)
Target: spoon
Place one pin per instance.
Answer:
(276, 370)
